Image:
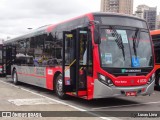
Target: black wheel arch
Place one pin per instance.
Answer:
(157, 75)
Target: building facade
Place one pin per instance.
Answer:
(140, 11)
(118, 6)
(150, 16)
(158, 21)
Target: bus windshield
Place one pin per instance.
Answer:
(125, 48)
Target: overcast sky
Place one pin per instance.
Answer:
(18, 15)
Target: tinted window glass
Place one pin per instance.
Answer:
(156, 42)
(130, 55)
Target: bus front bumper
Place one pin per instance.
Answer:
(103, 91)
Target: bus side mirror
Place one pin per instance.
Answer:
(97, 37)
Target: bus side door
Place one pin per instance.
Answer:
(75, 45)
(9, 55)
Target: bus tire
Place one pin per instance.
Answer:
(157, 81)
(15, 77)
(59, 87)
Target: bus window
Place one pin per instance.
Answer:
(83, 48)
(68, 48)
(156, 42)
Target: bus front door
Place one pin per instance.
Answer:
(9, 55)
(2, 72)
(75, 60)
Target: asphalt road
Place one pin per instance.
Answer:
(102, 106)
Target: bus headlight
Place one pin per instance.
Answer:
(151, 79)
(105, 80)
(102, 78)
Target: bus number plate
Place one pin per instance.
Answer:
(131, 93)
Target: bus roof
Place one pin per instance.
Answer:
(48, 28)
(155, 32)
(116, 14)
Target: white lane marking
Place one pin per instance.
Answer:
(33, 101)
(126, 105)
(61, 102)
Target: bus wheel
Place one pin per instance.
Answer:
(15, 77)
(157, 81)
(59, 87)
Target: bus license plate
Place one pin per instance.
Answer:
(131, 93)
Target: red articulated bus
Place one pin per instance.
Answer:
(156, 41)
(96, 55)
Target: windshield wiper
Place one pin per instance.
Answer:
(136, 41)
(118, 40)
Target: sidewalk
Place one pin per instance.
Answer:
(15, 99)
